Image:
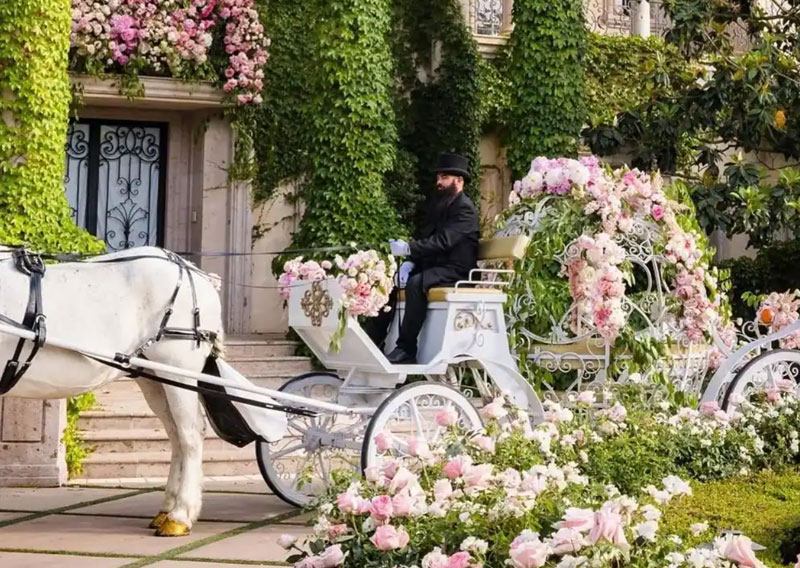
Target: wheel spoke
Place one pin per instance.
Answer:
(417, 420)
(285, 451)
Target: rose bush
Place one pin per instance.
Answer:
(533, 497)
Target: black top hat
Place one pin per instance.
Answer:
(453, 164)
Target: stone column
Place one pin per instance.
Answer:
(508, 23)
(640, 20)
(31, 452)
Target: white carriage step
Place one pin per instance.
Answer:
(239, 461)
(144, 440)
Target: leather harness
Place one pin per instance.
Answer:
(33, 266)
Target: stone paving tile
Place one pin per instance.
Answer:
(50, 498)
(240, 484)
(24, 560)
(259, 545)
(9, 516)
(304, 519)
(190, 564)
(216, 506)
(100, 535)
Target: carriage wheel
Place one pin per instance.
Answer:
(298, 466)
(410, 412)
(761, 372)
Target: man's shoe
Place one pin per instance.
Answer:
(400, 357)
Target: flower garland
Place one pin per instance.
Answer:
(173, 36)
(366, 280)
(614, 200)
(780, 310)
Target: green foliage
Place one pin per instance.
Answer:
(76, 450)
(546, 76)
(440, 113)
(352, 125)
(34, 102)
(776, 268)
(737, 90)
(765, 506)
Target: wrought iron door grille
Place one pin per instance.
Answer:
(115, 180)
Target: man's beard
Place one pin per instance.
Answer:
(447, 190)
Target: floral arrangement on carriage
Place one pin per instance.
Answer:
(616, 280)
(366, 279)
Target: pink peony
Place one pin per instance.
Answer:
(387, 538)
(709, 407)
(338, 530)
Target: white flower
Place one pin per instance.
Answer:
(472, 544)
(698, 528)
(647, 530)
(286, 541)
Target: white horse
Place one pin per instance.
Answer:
(115, 306)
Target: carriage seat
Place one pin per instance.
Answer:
(496, 249)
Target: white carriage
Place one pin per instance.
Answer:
(463, 359)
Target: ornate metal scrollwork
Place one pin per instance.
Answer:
(316, 303)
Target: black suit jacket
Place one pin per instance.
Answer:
(448, 249)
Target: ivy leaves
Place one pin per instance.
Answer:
(34, 105)
(547, 107)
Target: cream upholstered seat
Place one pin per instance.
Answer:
(497, 248)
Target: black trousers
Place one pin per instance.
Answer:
(416, 307)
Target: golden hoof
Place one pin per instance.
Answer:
(158, 521)
(172, 528)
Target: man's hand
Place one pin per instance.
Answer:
(399, 247)
(402, 274)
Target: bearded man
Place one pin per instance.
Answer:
(445, 254)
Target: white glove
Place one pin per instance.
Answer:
(402, 274)
(399, 248)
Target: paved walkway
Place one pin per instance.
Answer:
(106, 527)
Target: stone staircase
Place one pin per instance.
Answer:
(130, 442)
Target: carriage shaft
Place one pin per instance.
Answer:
(183, 373)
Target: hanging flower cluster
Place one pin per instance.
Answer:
(174, 37)
(780, 310)
(616, 201)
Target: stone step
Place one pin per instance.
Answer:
(272, 345)
(238, 461)
(99, 420)
(271, 366)
(144, 440)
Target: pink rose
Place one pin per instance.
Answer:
(442, 489)
(608, 526)
(447, 417)
(387, 538)
(567, 541)
(418, 448)
(456, 466)
(739, 549)
(529, 552)
(389, 468)
(486, 443)
(478, 476)
(578, 519)
(402, 504)
(709, 407)
(617, 413)
(657, 211)
(330, 557)
(458, 560)
(348, 502)
(380, 507)
(773, 395)
(402, 479)
(586, 397)
(494, 409)
(337, 530)
(786, 385)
